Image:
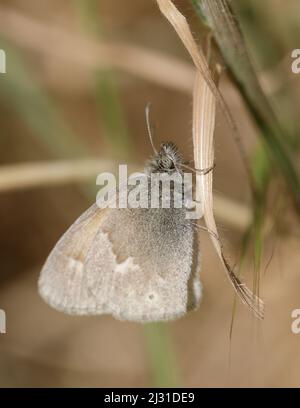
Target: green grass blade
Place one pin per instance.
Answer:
(22, 92)
(105, 90)
(162, 358)
(228, 35)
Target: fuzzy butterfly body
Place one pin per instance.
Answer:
(138, 264)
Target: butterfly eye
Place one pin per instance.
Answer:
(167, 163)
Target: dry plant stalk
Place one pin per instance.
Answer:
(225, 26)
(24, 176)
(181, 26)
(229, 37)
(204, 111)
(30, 175)
(150, 65)
(206, 94)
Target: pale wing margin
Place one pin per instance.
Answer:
(64, 282)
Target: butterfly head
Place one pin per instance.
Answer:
(166, 160)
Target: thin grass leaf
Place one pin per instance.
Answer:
(161, 350)
(204, 110)
(228, 35)
(105, 90)
(21, 91)
(24, 176)
(156, 67)
(244, 247)
(206, 94)
(181, 26)
(262, 176)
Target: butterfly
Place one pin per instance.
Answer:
(137, 264)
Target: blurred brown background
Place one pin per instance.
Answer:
(45, 348)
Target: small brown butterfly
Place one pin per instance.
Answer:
(138, 264)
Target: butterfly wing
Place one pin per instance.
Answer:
(64, 282)
(156, 276)
(136, 264)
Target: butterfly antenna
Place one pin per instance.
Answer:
(147, 113)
